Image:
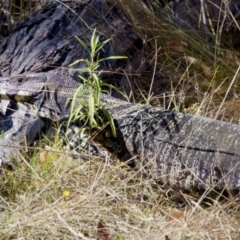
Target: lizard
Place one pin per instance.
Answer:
(168, 144)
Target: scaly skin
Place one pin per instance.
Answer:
(19, 124)
(169, 145)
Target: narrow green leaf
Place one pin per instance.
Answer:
(96, 41)
(106, 41)
(75, 62)
(83, 44)
(93, 43)
(112, 58)
(84, 69)
(97, 88)
(110, 86)
(110, 120)
(96, 66)
(91, 108)
(101, 45)
(93, 36)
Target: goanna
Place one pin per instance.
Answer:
(168, 144)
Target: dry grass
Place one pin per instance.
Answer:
(186, 70)
(64, 198)
(13, 12)
(49, 195)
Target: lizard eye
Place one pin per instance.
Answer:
(20, 80)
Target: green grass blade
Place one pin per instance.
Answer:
(110, 120)
(112, 58)
(91, 108)
(83, 44)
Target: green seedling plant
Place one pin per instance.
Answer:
(87, 105)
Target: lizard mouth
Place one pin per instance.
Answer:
(20, 95)
(23, 94)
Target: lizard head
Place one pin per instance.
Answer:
(23, 88)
